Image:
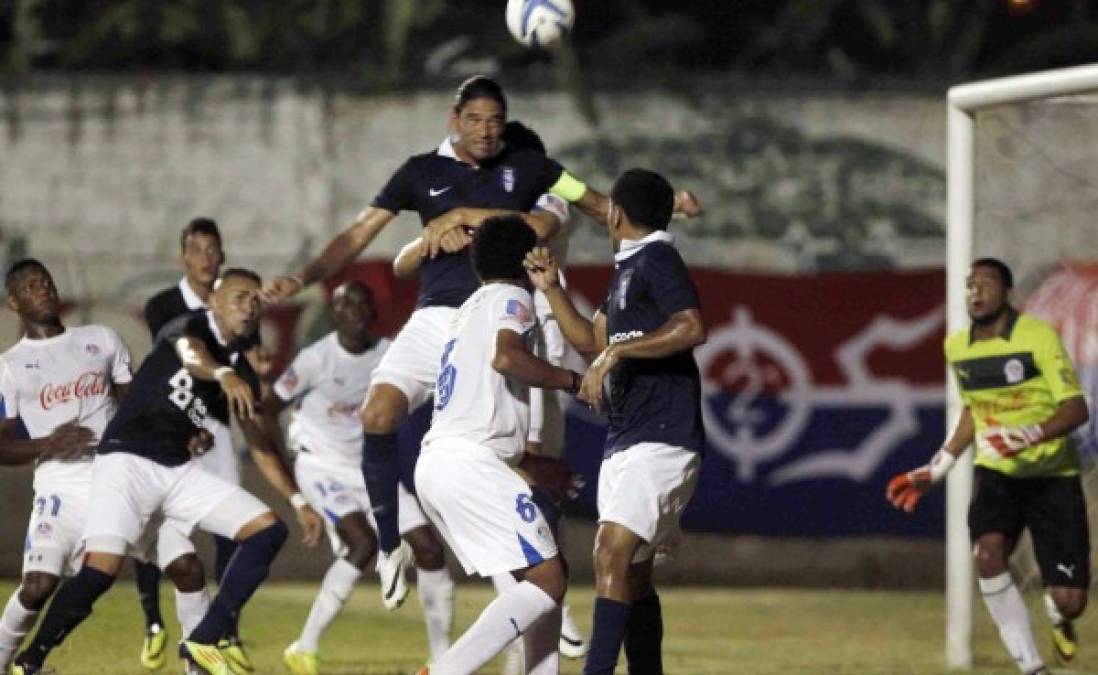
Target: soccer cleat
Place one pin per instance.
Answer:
(233, 651)
(153, 647)
(21, 669)
(424, 671)
(208, 658)
(299, 662)
(1064, 642)
(572, 645)
(393, 571)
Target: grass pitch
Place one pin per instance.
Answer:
(707, 631)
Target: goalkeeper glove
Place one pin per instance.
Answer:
(1000, 442)
(906, 489)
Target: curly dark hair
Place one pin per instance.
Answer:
(499, 247)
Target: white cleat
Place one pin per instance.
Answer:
(572, 643)
(393, 571)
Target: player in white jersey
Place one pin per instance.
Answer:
(64, 384)
(327, 382)
(466, 475)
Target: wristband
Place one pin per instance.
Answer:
(220, 373)
(940, 464)
(298, 501)
(297, 279)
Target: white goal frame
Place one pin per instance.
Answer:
(963, 103)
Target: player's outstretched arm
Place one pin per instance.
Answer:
(271, 462)
(906, 489)
(597, 205)
(68, 441)
(513, 360)
(337, 255)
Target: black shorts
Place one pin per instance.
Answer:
(1053, 509)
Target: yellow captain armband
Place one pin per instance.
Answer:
(568, 187)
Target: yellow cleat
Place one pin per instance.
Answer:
(206, 657)
(233, 651)
(152, 649)
(1064, 642)
(299, 662)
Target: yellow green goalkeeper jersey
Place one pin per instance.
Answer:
(1015, 379)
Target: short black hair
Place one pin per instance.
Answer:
(479, 86)
(240, 272)
(20, 265)
(646, 197)
(1005, 275)
(499, 247)
(199, 225)
(521, 137)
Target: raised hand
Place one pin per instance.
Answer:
(280, 289)
(542, 269)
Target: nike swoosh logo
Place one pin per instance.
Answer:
(434, 193)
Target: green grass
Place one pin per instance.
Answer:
(708, 631)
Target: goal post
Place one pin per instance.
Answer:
(964, 102)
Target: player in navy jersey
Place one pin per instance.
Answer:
(146, 463)
(201, 254)
(641, 340)
(472, 170)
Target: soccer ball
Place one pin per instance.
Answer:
(540, 23)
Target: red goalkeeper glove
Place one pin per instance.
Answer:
(906, 489)
(999, 442)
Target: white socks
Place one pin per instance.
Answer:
(14, 626)
(436, 597)
(508, 616)
(1007, 608)
(336, 588)
(190, 608)
(1053, 611)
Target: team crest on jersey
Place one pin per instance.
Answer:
(1014, 371)
(290, 379)
(508, 179)
(92, 350)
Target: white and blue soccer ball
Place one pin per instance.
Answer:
(540, 23)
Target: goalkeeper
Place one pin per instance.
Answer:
(1022, 400)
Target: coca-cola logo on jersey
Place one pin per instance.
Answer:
(89, 384)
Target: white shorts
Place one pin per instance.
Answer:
(55, 534)
(127, 490)
(547, 407)
(645, 489)
(221, 459)
(411, 362)
(336, 493)
(482, 508)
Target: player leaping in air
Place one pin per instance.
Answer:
(471, 169)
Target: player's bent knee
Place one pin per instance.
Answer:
(549, 576)
(256, 525)
(1069, 601)
(386, 406)
(361, 542)
(426, 547)
(187, 573)
(105, 553)
(36, 589)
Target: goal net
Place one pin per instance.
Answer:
(1031, 180)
